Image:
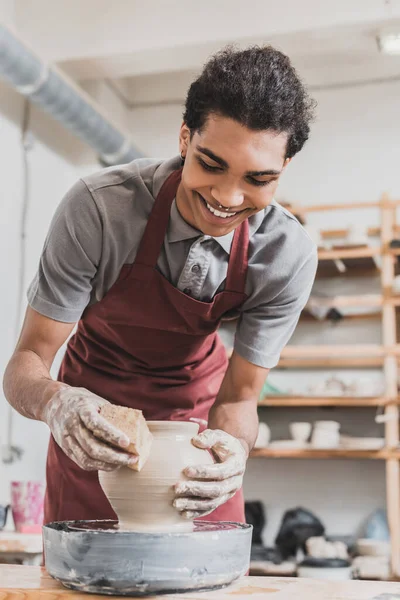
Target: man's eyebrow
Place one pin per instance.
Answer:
(267, 172)
(213, 156)
(224, 164)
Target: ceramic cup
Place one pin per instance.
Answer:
(357, 234)
(326, 434)
(300, 432)
(263, 437)
(27, 500)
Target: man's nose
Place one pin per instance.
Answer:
(228, 197)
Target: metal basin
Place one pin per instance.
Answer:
(98, 557)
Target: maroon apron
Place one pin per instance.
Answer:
(149, 346)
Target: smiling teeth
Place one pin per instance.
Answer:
(218, 213)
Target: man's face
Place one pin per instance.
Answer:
(230, 173)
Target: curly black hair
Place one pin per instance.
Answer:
(257, 87)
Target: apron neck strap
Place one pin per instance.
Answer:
(153, 237)
(238, 260)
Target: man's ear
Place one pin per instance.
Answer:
(184, 139)
(287, 161)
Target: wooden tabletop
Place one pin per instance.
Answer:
(33, 583)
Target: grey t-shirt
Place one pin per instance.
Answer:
(99, 224)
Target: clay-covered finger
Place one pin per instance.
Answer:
(217, 471)
(208, 438)
(99, 451)
(75, 451)
(208, 489)
(202, 505)
(191, 514)
(102, 429)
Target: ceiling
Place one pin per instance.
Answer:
(149, 51)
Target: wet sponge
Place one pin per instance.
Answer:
(131, 422)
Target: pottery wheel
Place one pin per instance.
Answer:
(98, 557)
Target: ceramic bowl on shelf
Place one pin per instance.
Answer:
(325, 435)
(263, 437)
(300, 431)
(288, 445)
(370, 547)
(361, 443)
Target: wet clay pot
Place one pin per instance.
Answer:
(143, 500)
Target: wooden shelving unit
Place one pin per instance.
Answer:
(317, 401)
(383, 454)
(376, 260)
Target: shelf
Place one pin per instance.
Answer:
(356, 260)
(355, 267)
(383, 454)
(328, 234)
(317, 401)
(345, 362)
(307, 317)
(363, 300)
(340, 351)
(337, 356)
(384, 203)
(345, 252)
(376, 301)
(342, 260)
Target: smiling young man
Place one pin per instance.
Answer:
(148, 258)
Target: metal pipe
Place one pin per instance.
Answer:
(60, 97)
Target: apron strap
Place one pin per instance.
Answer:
(153, 237)
(238, 260)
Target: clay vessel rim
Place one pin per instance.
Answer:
(186, 426)
(107, 527)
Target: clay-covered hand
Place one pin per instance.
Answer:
(210, 486)
(82, 433)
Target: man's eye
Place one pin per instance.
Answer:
(258, 182)
(207, 167)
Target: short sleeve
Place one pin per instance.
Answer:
(264, 330)
(61, 288)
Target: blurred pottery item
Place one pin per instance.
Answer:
(332, 569)
(264, 435)
(372, 567)
(368, 547)
(27, 500)
(335, 387)
(300, 432)
(396, 285)
(287, 445)
(319, 547)
(325, 435)
(3, 516)
(361, 443)
(143, 500)
(317, 389)
(357, 235)
(365, 386)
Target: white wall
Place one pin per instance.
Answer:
(52, 172)
(352, 155)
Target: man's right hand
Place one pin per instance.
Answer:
(83, 434)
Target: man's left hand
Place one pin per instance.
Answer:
(212, 485)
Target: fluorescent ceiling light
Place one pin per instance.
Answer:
(389, 43)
